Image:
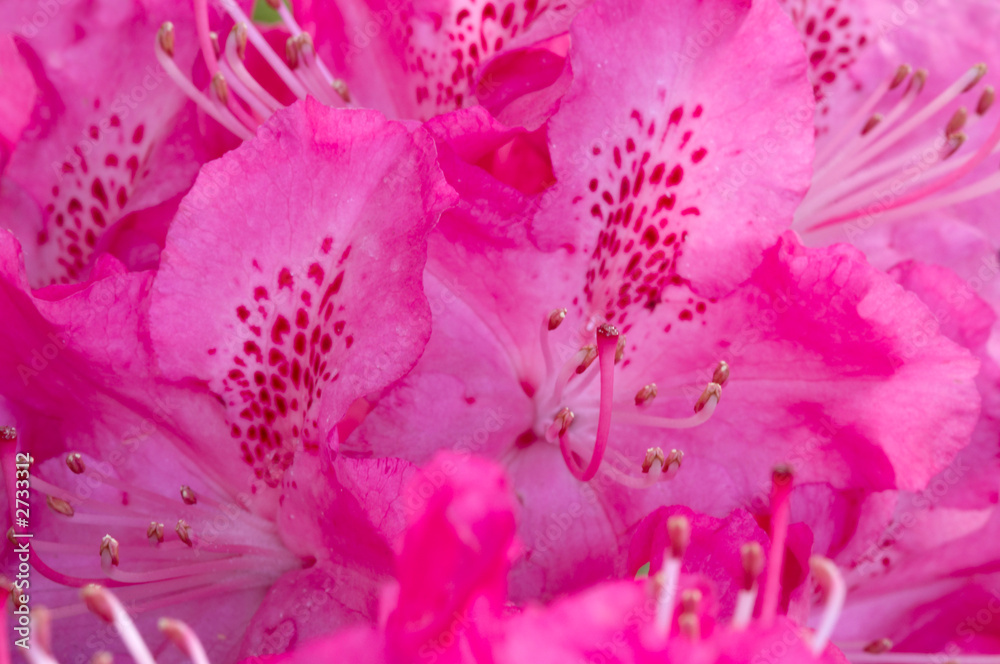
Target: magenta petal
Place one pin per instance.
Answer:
(309, 275)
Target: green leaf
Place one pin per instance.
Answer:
(643, 572)
(265, 14)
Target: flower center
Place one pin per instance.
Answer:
(235, 98)
(882, 166)
(156, 550)
(566, 399)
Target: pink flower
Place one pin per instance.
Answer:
(641, 261)
(107, 144)
(197, 411)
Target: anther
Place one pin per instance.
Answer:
(978, 72)
(879, 646)
(184, 532)
(721, 373)
(109, 551)
(954, 143)
(187, 495)
(154, 533)
(901, 73)
(184, 638)
(985, 100)
(690, 600)
(165, 36)
(752, 557)
(220, 88)
(59, 505)
(689, 625)
(292, 52)
(340, 87)
(873, 122)
(645, 394)
(214, 37)
(240, 32)
(673, 461)
(19, 597)
(96, 600)
(714, 390)
(679, 533)
(103, 657)
(919, 79)
(589, 355)
(75, 462)
(653, 454)
(956, 122)
(10, 536)
(620, 349)
(564, 418)
(556, 318)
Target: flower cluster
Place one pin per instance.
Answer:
(398, 331)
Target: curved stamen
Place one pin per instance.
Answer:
(704, 409)
(607, 344)
(781, 491)
(752, 557)
(828, 577)
(106, 606)
(679, 533)
(236, 46)
(272, 58)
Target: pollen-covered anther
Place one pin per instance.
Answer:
(154, 533)
(653, 454)
(187, 495)
(220, 88)
(901, 73)
(589, 355)
(75, 463)
(679, 534)
(340, 87)
(109, 551)
(954, 143)
(673, 461)
(721, 373)
(752, 557)
(240, 32)
(165, 36)
(645, 394)
(956, 122)
(713, 391)
(556, 318)
(986, 100)
(873, 122)
(563, 419)
(620, 349)
(879, 646)
(59, 505)
(978, 71)
(184, 532)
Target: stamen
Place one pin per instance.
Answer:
(165, 38)
(549, 324)
(75, 462)
(154, 533)
(653, 455)
(752, 557)
(109, 552)
(872, 123)
(689, 622)
(607, 343)
(879, 645)
(620, 349)
(721, 373)
(679, 534)
(185, 639)
(187, 495)
(107, 607)
(265, 50)
(556, 319)
(985, 100)
(59, 505)
(781, 489)
(828, 577)
(184, 532)
(589, 355)
(956, 122)
(704, 408)
(645, 395)
(560, 424)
